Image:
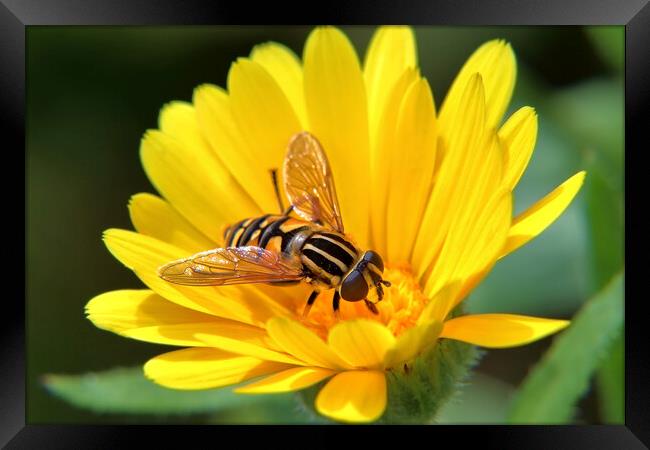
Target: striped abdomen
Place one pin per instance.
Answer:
(272, 232)
(328, 256)
(325, 255)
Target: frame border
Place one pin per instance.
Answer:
(16, 15)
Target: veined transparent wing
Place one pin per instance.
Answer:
(309, 183)
(230, 265)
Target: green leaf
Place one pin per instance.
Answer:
(550, 391)
(594, 118)
(127, 391)
(606, 212)
(611, 383)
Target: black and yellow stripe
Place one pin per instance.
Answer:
(268, 231)
(328, 256)
(247, 231)
(325, 256)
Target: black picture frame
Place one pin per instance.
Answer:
(16, 15)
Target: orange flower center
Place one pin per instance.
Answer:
(399, 310)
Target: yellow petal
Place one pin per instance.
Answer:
(180, 120)
(440, 304)
(153, 216)
(262, 113)
(213, 109)
(518, 136)
(285, 68)
(543, 213)
(451, 180)
(357, 396)
(235, 341)
(495, 61)
(287, 381)
(143, 315)
(194, 333)
(381, 158)
(122, 310)
(336, 104)
(500, 330)
(412, 342)
(190, 181)
(472, 248)
(144, 255)
(391, 50)
(469, 177)
(302, 343)
(204, 368)
(412, 165)
(361, 343)
(185, 334)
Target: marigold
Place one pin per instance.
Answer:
(429, 191)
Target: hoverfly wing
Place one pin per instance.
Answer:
(309, 183)
(230, 265)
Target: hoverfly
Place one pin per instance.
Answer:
(280, 249)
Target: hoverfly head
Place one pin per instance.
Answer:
(364, 275)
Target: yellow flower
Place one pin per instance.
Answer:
(431, 191)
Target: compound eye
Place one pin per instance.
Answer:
(374, 258)
(354, 287)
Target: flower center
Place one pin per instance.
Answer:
(399, 310)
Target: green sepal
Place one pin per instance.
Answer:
(417, 390)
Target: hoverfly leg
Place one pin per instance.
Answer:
(380, 292)
(310, 302)
(380, 289)
(336, 302)
(276, 186)
(385, 283)
(287, 211)
(371, 306)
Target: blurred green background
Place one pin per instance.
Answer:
(93, 91)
